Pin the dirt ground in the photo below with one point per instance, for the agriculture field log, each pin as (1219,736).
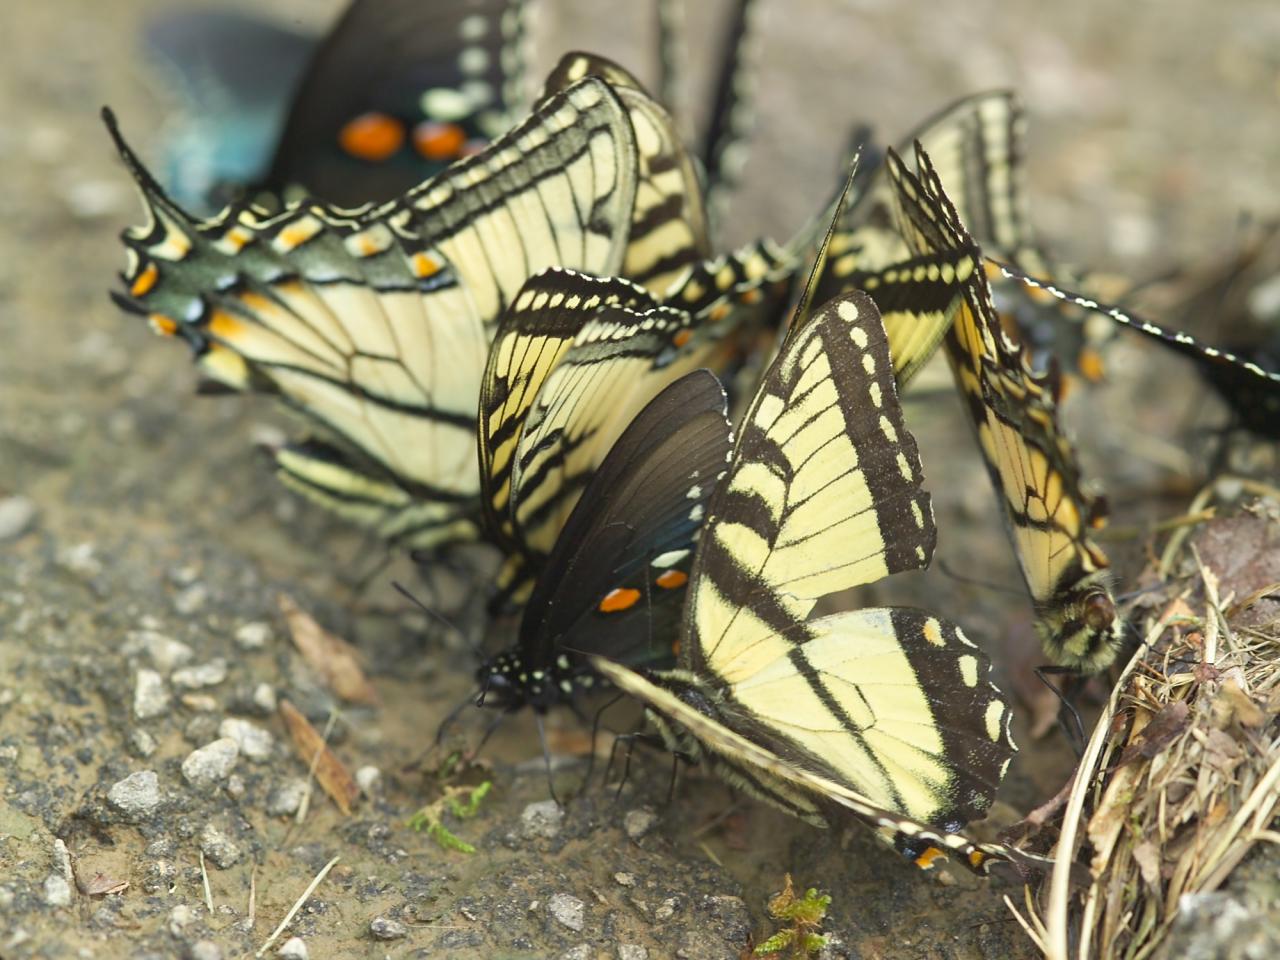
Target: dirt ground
(160,542)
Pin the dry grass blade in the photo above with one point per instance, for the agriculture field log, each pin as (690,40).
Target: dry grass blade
(329,770)
(1181,777)
(336,661)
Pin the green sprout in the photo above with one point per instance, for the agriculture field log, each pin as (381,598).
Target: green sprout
(463,802)
(801,939)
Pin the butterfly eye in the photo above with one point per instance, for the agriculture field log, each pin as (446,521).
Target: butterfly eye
(439,141)
(1099,611)
(372,136)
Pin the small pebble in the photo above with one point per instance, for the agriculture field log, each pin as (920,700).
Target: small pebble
(204,675)
(384,928)
(211,764)
(137,795)
(581,952)
(264,697)
(57,892)
(666,909)
(369,780)
(143,743)
(180,917)
(254,742)
(219,847)
(166,653)
(200,702)
(639,822)
(205,950)
(150,695)
(632,951)
(567,910)
(294,949)
(625,879)
(235,786)
(285,799)
(17,514)
(80,560)
(254,636)
(191,599)
(542,819)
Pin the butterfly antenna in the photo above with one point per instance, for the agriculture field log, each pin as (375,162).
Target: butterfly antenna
(439,617)
(946,569)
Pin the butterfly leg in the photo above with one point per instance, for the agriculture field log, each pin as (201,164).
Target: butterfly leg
(595,732)
(546,757)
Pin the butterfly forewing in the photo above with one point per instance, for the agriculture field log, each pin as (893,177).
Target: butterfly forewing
(824,493)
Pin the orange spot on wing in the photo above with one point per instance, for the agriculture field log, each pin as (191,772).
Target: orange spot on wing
(623,598)
(682,337)
(439,141)
(145,281)
(926,860)
(372,136)
(1091,365)
(672,579)
(719,312)
(165,326)
(752,296)
(977,858)
(224,326)
(425,265)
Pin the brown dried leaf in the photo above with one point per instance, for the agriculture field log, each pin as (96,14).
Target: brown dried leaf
(1163,729)
(1147,855)
(100,885)
(330,771)
(336,661)
(1233,704)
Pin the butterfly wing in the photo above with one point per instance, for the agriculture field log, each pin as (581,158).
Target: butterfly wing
(614,581)
(824,494)
(376,326)
(669,230)
(398,90)
(1049,512)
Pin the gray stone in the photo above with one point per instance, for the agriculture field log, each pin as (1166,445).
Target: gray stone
(17,514)
(255,743)
(165,653)
(219,847)
(639,822)
(137,795)
(181,917)
(254,636)
(211,764)
(632,951)
(542,819)
(369,780)
(294,949)
(205,950)
(384,928)
(264,697)
(581,952)
(625,879)
(150,695)
(567,910)
(57,892)
(191,599)
(285,799)
(143,743)
(204,675)
(235,786)
(666,909)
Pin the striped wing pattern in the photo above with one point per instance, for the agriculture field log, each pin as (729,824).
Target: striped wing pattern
(1032,464)
(824,494)
(375,324)
(745,762)
(669,229)
(884,713)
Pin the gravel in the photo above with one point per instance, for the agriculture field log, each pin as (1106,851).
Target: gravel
(255,743)
(384,928)
(211,764)
(285,799)
(294,949)
(17,514)
(205,675)
(632,951)
(150,695)
(137,795)
(254,636)
(543,819)
(639,822)
(57,892)
(567,910)
(219,847)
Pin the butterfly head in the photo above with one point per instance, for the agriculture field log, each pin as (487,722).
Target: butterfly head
(508,683)
(1082,630)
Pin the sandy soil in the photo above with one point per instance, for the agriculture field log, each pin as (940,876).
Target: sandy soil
(159,535)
